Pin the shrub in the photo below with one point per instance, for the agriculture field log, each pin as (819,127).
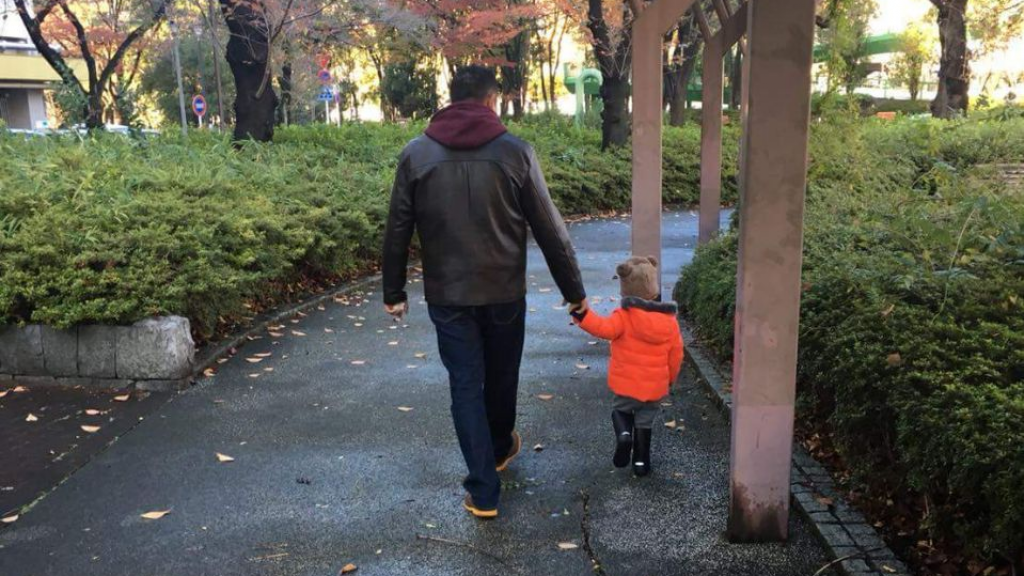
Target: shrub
(912,327)
(110,230)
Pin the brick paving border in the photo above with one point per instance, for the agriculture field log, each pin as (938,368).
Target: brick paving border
(854,545)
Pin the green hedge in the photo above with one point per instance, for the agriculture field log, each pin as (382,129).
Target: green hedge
(111,229)
(912,328)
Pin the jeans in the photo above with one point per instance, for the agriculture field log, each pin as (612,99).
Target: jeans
(482,346)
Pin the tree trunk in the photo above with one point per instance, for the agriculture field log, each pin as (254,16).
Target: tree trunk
(688,48)
(736,79)
(615,127)
(615,64)
(513,78)
(248,55)
(285,82)
(954,68)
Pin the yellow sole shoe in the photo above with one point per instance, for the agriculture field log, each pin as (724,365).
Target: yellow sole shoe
(517,445)
(485,513)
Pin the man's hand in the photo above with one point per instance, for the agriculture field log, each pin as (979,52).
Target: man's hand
(397,311)
(581,306)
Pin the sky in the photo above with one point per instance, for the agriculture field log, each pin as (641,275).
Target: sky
(894,15)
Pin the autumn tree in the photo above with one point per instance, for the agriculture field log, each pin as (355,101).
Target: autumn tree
(992,22)
(60,32)
(611,34)
(916,51)
(546,49)
(843,36)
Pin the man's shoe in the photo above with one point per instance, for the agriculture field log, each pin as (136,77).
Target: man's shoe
(517,444)
(623,424)
(486,513)
(642,451)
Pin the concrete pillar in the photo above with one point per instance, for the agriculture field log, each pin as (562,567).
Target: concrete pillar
(711,141)
(649,28)
(780,34)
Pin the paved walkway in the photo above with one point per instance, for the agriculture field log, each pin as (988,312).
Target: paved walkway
(329,470)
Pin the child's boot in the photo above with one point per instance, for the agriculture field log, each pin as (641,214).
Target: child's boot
(623,424)
(642,451)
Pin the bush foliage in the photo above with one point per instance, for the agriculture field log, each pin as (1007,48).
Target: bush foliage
(111,230)
(912,328)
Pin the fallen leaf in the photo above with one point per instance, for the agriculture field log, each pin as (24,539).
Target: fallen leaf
(276,334)
(254,360)
(411,366)
(358,324)
(264,355)
(254,375)
(348,568)
(31,418)
(224,458)
(889,569)
(824,500)
(156,514)
(538,447)
(92,412)
(122,398)
(544,290)
(90,429)
(894,359)
(431,526)
(19,389)
(671,424)
(358,362)
(545,396)
(393,343)
(209,372)
(3,393)
(297,333)
(420,354)
(328,330)
(567,546)
(405,409)
(9,519)
(592,343)
(582,367)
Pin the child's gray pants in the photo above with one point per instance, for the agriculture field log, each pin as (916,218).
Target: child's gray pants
(643,413)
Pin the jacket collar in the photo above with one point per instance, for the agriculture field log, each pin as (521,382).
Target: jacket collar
(649,305)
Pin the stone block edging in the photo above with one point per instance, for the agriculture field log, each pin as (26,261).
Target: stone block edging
(854,545)
(152,354)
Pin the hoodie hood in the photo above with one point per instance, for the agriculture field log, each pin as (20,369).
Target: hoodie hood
(465,125)
(653,322)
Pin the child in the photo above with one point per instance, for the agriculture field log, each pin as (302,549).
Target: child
(647,353)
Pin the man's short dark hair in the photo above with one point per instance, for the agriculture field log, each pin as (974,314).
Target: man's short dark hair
(473,83)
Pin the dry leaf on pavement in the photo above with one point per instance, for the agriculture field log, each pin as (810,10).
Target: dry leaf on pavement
(358,362)
(122,398)
(156,514)
(348,568)
(90,429)
(567,546)
(405,408)
(254,360)
(420,355)
(670,424)
(545,396)
(3,393)
(538,447)
(92,412)
(31,418)
(224,458)
(19,389)
(9,519)
(297,333)
(582,367)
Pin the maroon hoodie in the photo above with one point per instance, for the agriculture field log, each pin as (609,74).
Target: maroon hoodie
(465,125)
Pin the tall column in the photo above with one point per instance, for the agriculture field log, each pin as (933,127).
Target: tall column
(649,29)
(773,178)
(711,141)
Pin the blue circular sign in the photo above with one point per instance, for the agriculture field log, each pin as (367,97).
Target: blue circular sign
(199,105)
(324,75)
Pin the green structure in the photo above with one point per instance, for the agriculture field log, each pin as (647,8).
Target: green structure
(586,85)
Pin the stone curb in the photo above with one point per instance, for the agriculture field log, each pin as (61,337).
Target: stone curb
(854,545)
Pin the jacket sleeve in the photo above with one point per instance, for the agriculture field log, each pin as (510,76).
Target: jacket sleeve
(607,328)
(675,358)
(550,232)
(398,234)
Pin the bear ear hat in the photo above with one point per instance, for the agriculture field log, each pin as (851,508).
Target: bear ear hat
(653,261)
(623,270)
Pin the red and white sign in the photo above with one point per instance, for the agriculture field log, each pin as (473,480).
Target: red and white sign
(199,105)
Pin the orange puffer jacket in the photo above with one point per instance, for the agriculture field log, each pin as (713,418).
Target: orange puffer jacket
(647,347)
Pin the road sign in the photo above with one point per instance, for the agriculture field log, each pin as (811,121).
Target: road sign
(199,105)
(323,60)
(326,95)
(324,75)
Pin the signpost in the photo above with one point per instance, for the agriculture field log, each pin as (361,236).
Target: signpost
(325,96)
(199,107)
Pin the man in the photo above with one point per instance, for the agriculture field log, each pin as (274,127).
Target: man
(471,189)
